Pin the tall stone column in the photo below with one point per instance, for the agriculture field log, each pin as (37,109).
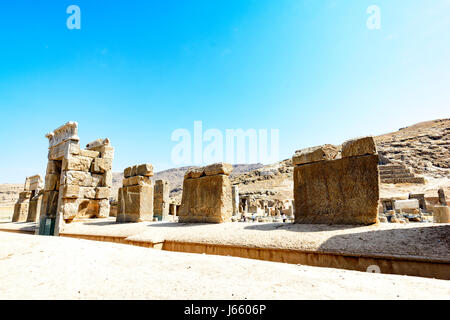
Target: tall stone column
(235,199)
(161,200)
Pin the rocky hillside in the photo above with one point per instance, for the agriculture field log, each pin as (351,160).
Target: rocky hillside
(9,193)
(424,147)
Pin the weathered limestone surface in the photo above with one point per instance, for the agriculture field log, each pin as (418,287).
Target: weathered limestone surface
(406,204)
(441,195)
(421,198)
(78,182)
(235,199)
(314,154)
(135,199)
(27,208)
(340,191)
(161,200)
(359,147)
(207,198)
(441,214)
(34,207)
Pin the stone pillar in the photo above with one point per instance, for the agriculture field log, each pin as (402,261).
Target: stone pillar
(441,214)
(113,206)
(441,195)
(328,190)
(135,200)
(27,207)
(173,209)
(21,207)
(207,195)
(235,199)
(161,200)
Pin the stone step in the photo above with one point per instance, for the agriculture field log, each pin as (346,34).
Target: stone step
(391,167)
(399,171)
(416,180)
(397,176)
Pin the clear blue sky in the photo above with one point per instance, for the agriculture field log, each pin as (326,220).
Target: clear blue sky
(138,70)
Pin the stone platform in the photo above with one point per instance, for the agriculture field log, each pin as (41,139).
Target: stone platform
(411,249)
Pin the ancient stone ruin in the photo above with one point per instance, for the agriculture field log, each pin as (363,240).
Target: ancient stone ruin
(28,206)
(207,195)
(235,199)
(135,199)
(161,200)
(77,182)
(398,173)
(333,190)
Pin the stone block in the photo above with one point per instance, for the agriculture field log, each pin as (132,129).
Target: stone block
(145,170)
(359,147)
(77,164)
(102,192)
(20,212)
(70,191)
(194,173)
(107,152)
(135,204)
(53,167)
(34,209)
(218,168)
(101,165)
(107,179)
(104,208)
(406,204)
(315,154)
(97,144)
(441,214)
(89,153)
(24,195)
(206,199)
(128,172)
(342,191)
(51,182)
(88,192)
(136,181)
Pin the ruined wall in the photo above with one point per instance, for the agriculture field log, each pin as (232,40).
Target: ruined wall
(332,190)
(207,195)
(135,199)
(27,208)
(78,182)
(161,200)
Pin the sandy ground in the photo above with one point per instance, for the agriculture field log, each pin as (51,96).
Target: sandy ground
(37,267)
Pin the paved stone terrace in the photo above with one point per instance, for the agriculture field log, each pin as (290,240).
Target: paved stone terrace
(415,241)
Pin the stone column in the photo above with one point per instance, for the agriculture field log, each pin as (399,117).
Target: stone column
(235,198)
(441,195)
(161,200)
